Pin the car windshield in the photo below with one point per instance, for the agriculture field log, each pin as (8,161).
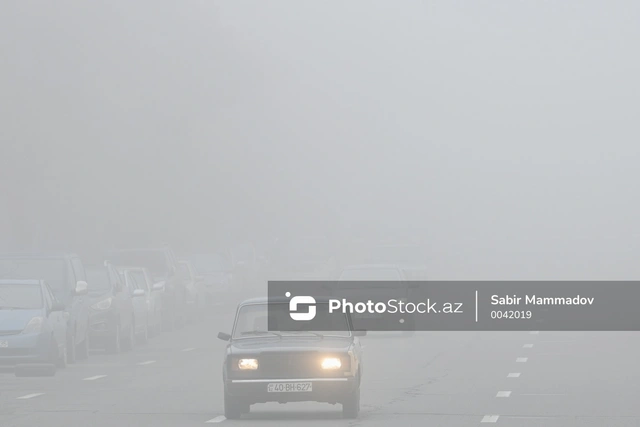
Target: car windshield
(253,320)
(211,263)
(370,274)
(53,271)
(397,254)
(154,260)
(98,281)
(20,296)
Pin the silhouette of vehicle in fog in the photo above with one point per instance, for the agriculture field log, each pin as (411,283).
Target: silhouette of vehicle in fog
(111,318)
(194,289)
(217,271)
(163,265)
(409,257)
(303,258)
(148,303)
(382,282)
(65,275)
(33,326)
(279,366)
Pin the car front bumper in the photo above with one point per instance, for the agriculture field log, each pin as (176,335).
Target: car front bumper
(29,348)
(329,390)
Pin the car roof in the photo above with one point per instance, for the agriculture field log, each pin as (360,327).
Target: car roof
(21,281)
(265,300)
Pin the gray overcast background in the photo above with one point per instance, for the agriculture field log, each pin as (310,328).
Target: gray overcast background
(503,134)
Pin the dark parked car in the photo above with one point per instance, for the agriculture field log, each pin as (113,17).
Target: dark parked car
(66,276)
(163,266)
(111,311)
(278,366)
(33,327)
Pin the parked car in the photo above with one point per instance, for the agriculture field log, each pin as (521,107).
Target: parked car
(163,266)
(262,365)
(139,278)
(194,288)
(33,326)
(216,269)
(111,311)
(65,275)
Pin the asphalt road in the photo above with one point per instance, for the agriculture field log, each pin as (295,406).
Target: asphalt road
(444,379)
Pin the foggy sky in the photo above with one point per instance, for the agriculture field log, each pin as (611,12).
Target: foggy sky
(504,134)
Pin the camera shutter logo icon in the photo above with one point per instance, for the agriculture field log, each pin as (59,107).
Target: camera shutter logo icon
(302,300)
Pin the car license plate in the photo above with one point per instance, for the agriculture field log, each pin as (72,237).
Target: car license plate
(4,344)
(289,387)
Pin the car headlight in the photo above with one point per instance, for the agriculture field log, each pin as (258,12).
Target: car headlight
(34,326)
(331,363)
(248,364)
(102,305)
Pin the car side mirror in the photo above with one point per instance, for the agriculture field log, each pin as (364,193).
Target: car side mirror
(359,333)
(224,336)
(57,306)
(158,287)
(138,293)
(81,288)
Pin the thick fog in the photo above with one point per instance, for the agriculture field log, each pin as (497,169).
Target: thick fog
(502,135)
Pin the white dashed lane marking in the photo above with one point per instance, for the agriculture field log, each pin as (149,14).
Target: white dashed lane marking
(148,362)
(95,377)
(490,419)
(527,346)
(534,333)
(30,396)
(503,394)
(522,359)
(514,375)
(188,349)
(218,419)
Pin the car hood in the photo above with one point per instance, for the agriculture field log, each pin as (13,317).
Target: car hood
(292,344)
(16,320)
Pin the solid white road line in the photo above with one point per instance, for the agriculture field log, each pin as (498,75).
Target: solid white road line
(30,396)
(188,349)
(490,419)
(527,346)
(503,394)
(148,362)
(96,377)
(514,375)
(218,419)
(522,359)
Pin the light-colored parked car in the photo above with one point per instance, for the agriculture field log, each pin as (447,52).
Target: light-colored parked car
(141,278)
(194,287)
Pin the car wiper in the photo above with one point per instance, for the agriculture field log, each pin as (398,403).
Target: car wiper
(6,307)
(306,332)
(258,332)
